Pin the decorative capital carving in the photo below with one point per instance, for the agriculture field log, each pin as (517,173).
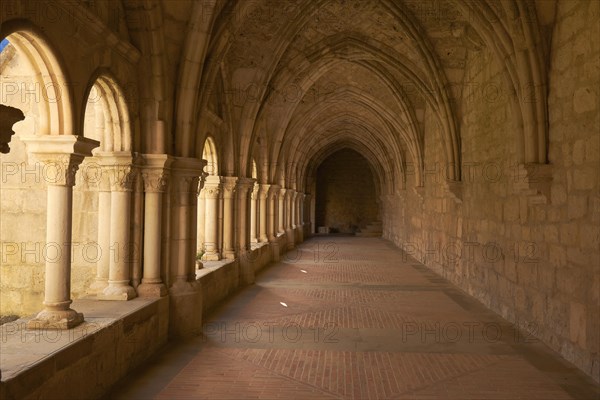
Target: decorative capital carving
(211,191)
(264,189)
(59,169)
(60,155)
(274,191)
(244,185)
(155,180)
(229,186)
(121,177)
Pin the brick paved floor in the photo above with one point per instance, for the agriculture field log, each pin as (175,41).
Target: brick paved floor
(352,318)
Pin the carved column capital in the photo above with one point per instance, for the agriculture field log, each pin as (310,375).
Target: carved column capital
(155,172)
(155,181)
(274,191)
(245,185)
(263,191)
(187,174)
(229,186)
(60,155)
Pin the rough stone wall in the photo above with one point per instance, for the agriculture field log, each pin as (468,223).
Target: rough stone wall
(535,264)
(346,197)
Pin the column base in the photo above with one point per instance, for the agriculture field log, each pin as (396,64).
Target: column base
(118,293)
(55,319)
(210,256)
(153,290)
(98,286)
(229,255)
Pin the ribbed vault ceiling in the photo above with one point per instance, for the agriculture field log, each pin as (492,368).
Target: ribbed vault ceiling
(304,78)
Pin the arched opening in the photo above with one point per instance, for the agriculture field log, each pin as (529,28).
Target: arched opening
(346,199)
(106,116)
(254,206)
(104,205)
(209,153)
(208,243)
(31,81)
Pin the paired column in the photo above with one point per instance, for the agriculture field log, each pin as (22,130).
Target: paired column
(272,220)
(282,211)
(211,191)
(263,195)
(229,191)
(301,206)
(254,213)
(244,187)
(155,176)
(186,174)
(201,222)
(120,175)
(61,157)
(294,209)
(103,264)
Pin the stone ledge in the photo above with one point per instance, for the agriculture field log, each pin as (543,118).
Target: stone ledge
(87,360)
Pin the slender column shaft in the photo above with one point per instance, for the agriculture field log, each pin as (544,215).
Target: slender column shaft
(263,212)
(212,188)
(254,214)
(63,155)
(229,189)
(103,264)
(119,172)
(201,222)
(282,211)
(152,232)
(272,224)
(58,235)
(294,209)
(243,235)
(155,178)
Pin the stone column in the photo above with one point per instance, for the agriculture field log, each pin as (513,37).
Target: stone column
(246,263)
(272,220)
(254,213)
(229,189)
(185,176)
(61,157)
(244,185)
(212,189)
(294,210)
(290,233)
(185,296)
(120,174)
(201,221)
(103,264)
(137,222)
(263,195)
(155,176)
(301,203)
(283,214)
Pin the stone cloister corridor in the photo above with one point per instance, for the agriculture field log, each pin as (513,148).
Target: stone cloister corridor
(163,162)
(344,317)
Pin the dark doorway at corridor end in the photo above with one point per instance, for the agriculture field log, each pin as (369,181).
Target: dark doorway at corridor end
(345,194)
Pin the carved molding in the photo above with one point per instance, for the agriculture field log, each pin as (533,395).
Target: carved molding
(60,155)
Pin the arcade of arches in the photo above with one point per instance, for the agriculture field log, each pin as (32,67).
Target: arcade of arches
(158,154)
